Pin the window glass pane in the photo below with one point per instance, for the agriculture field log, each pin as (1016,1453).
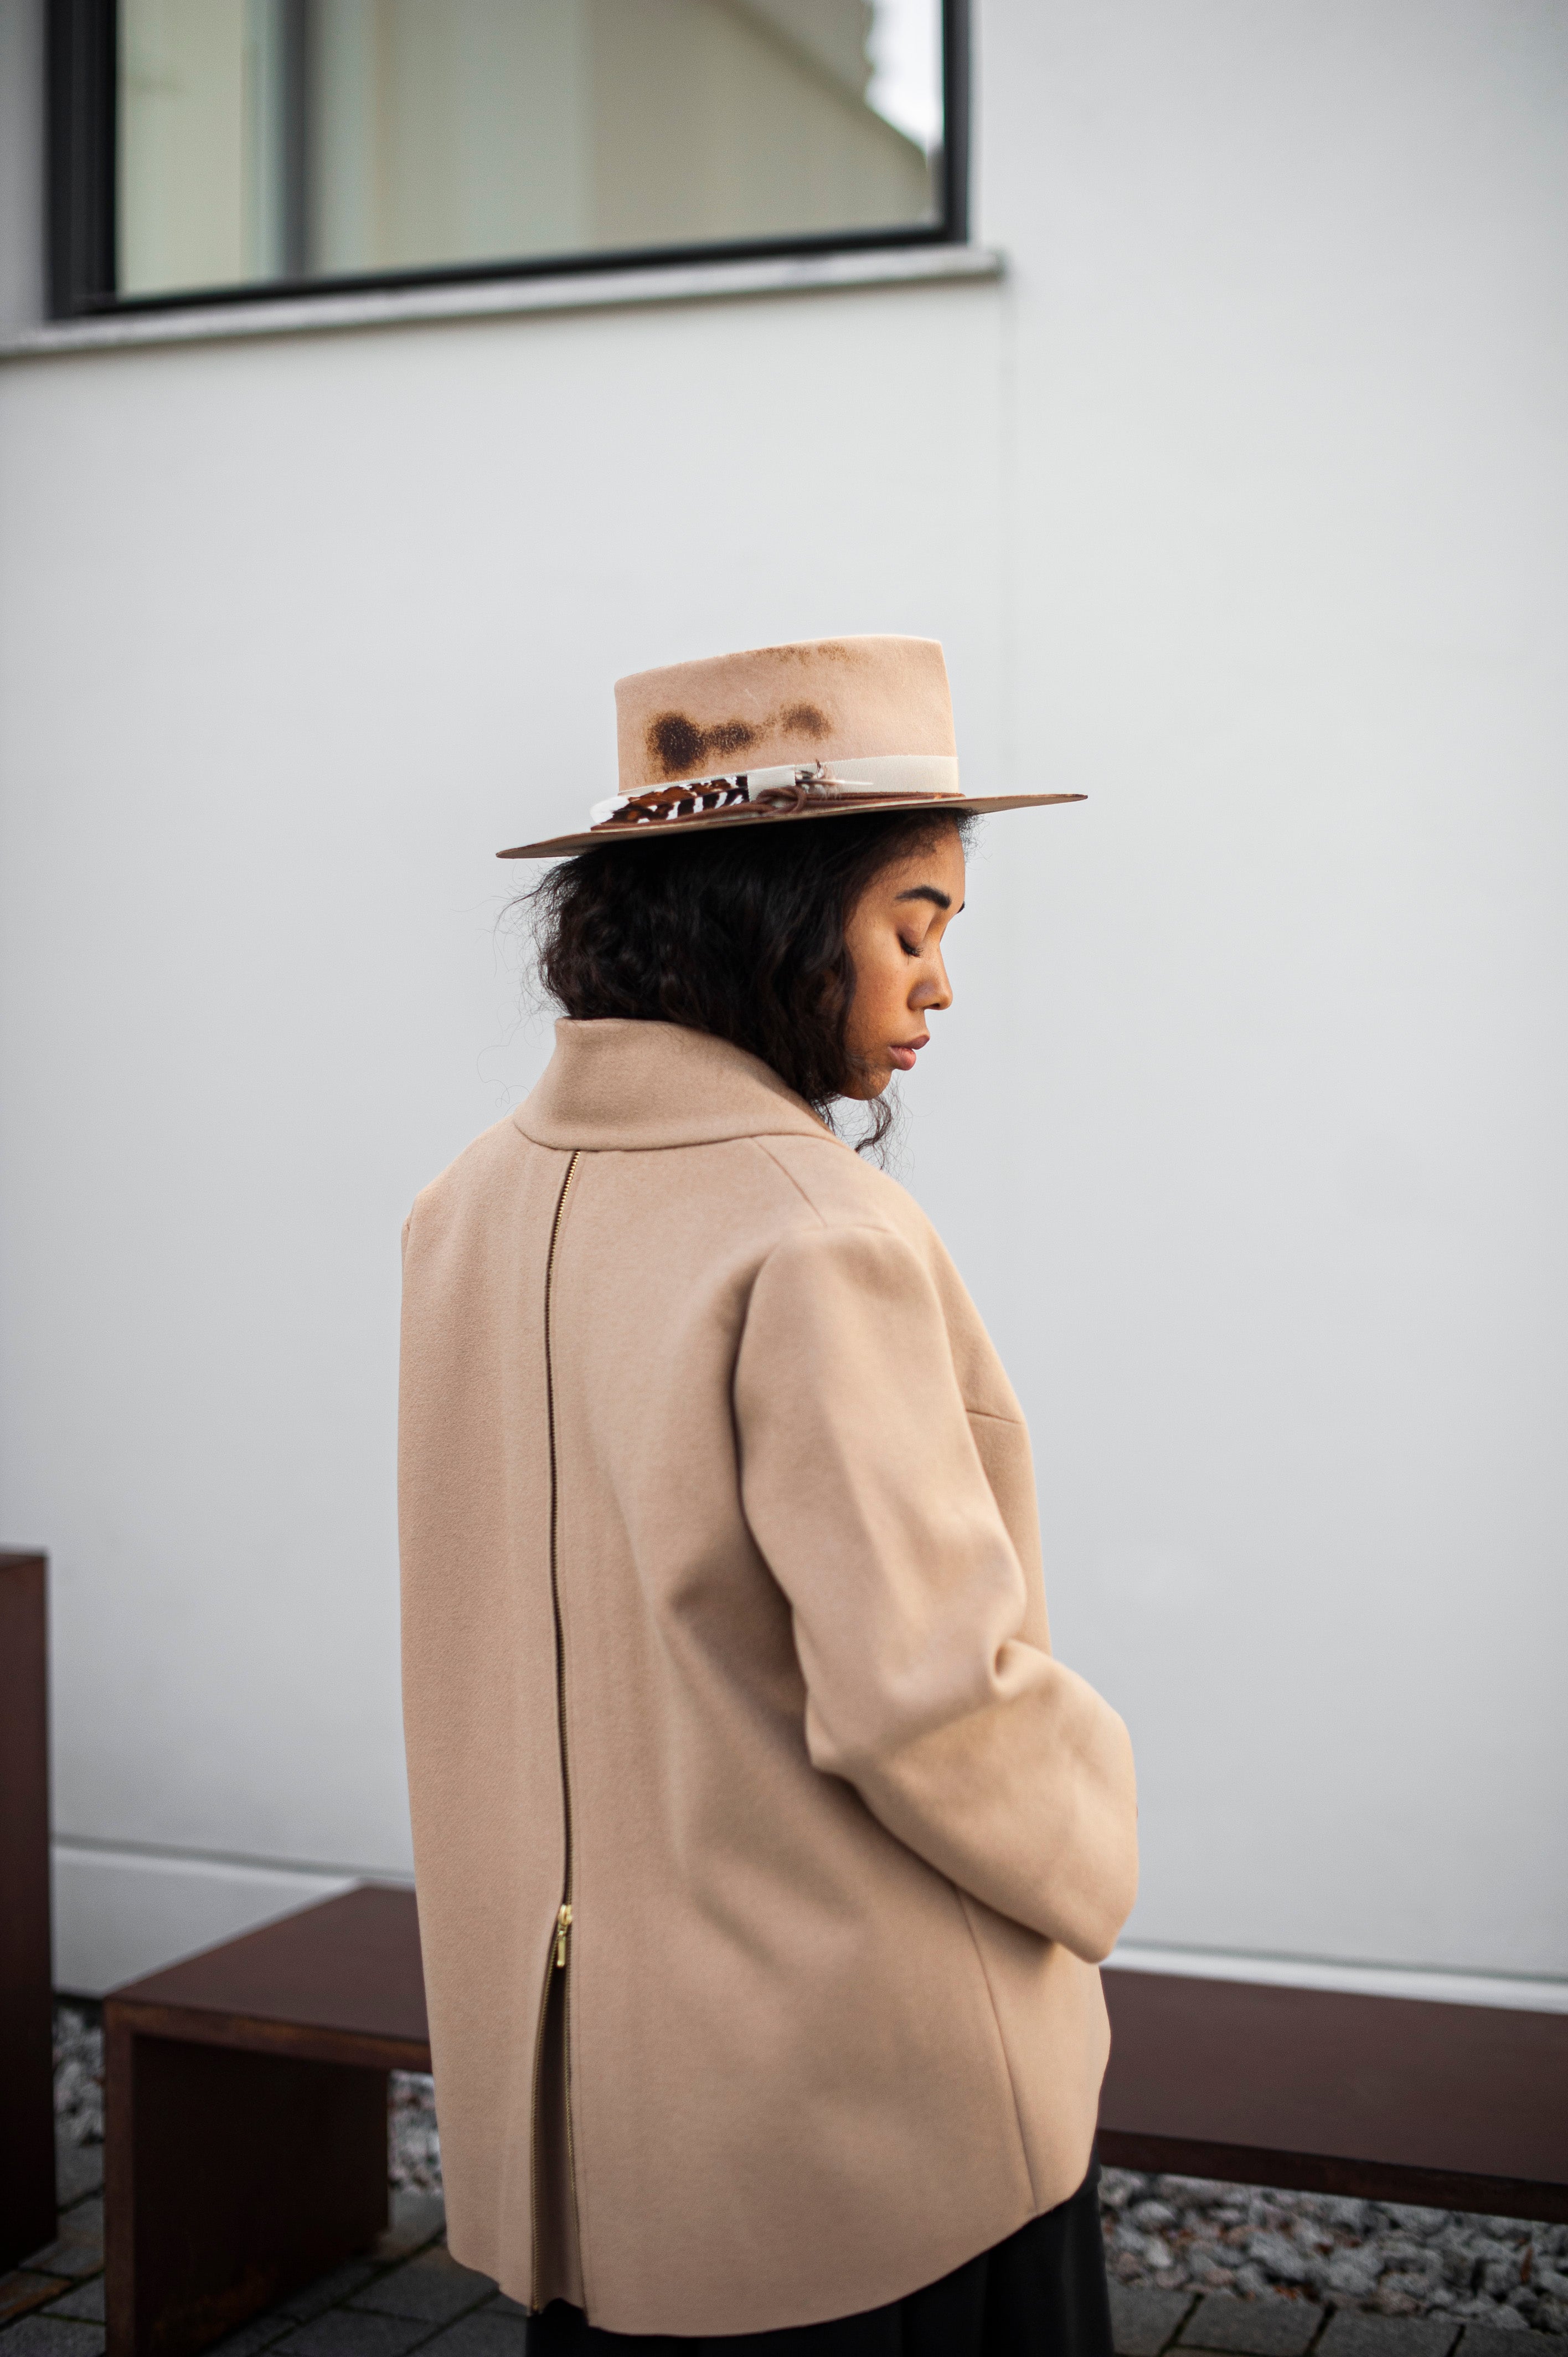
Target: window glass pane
(263,139)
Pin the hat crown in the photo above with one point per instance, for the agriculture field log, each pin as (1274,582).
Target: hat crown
(819,701)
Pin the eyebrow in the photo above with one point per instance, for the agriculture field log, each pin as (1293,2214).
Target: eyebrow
(926,892)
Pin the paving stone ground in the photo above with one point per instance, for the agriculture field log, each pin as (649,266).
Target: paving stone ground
(1298,2275)
(408,2295)
(1148,2322)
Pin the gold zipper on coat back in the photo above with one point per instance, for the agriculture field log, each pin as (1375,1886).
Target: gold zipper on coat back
(563,1912)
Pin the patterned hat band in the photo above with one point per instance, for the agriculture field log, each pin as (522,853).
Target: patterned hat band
(884,777)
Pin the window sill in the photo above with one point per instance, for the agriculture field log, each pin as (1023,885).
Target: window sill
(701,282)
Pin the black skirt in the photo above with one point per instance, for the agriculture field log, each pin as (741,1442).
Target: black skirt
(1041,2293)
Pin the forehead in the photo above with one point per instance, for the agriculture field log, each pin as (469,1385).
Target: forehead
(937,863)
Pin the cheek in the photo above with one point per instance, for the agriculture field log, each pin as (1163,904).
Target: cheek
(885,982)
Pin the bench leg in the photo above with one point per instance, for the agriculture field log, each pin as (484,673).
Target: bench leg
(231,2179)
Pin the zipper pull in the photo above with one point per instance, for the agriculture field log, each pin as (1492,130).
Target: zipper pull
(563,1925)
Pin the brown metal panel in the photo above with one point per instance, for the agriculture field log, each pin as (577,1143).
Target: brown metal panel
(349,1963)
(245,2115)
(119,2183)
(1239,2164)
(1462,2106)
(231,2179)
(26,2031)
(197,2027)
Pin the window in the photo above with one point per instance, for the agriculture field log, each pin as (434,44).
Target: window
(206,148)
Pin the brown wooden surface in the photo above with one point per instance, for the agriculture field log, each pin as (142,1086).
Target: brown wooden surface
(231,2179)
(27,2032)
(246,2115)
(254,2036)
(1461,2107)
(340,1980)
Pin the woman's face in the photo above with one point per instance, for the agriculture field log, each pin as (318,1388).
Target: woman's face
(895,940)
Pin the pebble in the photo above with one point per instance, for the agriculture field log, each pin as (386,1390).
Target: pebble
(1285,2261)
(1353,2274)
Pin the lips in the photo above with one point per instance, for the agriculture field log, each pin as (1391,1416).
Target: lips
(904,1057)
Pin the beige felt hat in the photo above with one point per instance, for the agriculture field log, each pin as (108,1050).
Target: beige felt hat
(823,729)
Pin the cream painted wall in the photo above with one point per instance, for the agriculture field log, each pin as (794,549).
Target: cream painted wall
(1239,503)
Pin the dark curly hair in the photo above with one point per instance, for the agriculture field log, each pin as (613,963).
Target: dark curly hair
(740,933)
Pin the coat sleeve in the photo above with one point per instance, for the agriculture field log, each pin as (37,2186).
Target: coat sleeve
(864,1490)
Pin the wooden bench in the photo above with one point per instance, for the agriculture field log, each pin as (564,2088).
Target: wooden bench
(245,2117)
(26,2029)
(246,2107)
(1454,2106)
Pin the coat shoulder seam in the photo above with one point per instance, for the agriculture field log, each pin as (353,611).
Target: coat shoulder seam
(786,1173)
(863,1218)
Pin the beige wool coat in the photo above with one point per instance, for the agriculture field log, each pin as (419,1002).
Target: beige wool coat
(765,1853)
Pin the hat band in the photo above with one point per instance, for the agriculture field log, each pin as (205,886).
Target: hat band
(880,778)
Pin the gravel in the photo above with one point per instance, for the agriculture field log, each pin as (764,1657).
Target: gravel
(1376,2258)
(79,2077)
(413,2143)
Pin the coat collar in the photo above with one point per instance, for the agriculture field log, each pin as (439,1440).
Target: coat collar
(615,1085)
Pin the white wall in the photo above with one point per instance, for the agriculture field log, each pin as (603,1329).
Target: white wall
(1239,503)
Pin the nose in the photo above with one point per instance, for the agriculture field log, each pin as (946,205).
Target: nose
(935,990)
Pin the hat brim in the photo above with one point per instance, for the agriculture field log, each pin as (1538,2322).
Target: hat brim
(666,830)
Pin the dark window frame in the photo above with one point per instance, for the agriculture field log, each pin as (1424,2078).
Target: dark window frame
(82,117)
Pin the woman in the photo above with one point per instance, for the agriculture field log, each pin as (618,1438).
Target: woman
(765,1854)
